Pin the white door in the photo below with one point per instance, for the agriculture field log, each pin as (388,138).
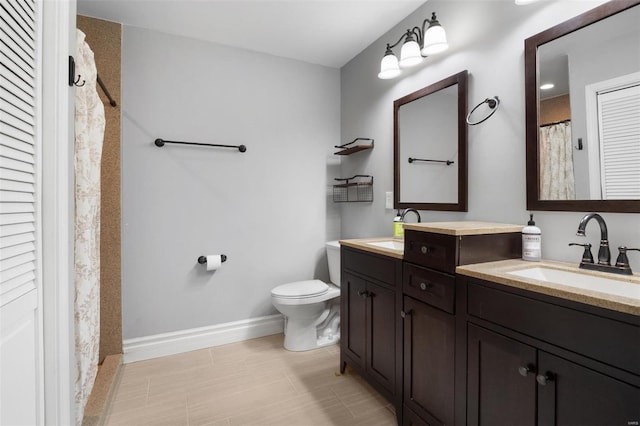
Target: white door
(613,135)
(619,135)
(21,335)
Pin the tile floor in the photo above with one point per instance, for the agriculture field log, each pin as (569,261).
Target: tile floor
(255,382)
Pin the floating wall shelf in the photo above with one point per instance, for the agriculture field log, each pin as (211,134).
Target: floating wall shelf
(348,150)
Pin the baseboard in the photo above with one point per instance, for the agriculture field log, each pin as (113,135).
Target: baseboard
(164,344)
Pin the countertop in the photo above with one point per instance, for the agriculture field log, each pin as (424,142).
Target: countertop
(361,243)
(463,227)
(498,272)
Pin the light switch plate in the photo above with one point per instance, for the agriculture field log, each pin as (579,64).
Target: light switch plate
(388,203)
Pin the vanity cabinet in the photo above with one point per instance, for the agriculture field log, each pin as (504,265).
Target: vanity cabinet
(369,326)
(429,343)
(500,380)
(435,335)
(535,359)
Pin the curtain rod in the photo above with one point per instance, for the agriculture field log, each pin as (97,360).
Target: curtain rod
(568,120)
(112,102)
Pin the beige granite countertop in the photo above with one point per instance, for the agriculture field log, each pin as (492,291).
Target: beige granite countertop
(498,272)
(463,227)
(361,243)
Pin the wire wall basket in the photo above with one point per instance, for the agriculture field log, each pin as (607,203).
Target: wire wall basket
(358,188)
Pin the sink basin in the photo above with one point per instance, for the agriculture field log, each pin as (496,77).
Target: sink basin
(580,280)
(389,244)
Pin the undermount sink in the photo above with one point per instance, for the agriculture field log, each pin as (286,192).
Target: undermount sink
(581,280)
(388,244)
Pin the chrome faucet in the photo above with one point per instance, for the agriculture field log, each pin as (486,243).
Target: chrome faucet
(604,255)
(405,211)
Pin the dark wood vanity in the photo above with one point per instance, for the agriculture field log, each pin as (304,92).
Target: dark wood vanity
(534,359)
(370,301)
(450,348)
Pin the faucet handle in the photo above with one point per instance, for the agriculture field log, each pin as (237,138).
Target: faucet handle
(587,257)
(623,260)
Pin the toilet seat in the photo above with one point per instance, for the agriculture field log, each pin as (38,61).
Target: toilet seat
(300,289)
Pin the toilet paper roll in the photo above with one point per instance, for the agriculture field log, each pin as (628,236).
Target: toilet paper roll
(214,261)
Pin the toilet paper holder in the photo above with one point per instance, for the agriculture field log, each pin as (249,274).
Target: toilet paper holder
(203,259)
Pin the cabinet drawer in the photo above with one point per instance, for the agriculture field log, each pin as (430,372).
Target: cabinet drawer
(429,286)
(605,339)
(437,251)
(377,267)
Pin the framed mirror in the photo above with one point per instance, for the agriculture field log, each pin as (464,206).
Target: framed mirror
(430,147)
(583,134)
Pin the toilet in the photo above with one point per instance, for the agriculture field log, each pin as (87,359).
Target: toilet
(311,308)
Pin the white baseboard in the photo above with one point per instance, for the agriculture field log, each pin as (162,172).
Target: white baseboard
(164,344)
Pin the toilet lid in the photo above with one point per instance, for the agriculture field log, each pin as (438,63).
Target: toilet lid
(301,289)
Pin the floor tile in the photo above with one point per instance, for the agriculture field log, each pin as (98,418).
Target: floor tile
(255,382)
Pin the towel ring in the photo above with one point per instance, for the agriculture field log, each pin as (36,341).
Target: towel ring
(493,104)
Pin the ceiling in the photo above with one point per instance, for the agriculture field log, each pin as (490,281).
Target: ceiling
(324,32)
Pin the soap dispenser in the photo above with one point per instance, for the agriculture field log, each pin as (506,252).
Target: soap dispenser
(398,226)
(531,241)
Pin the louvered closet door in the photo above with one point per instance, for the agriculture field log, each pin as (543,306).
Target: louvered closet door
(19,336)
(619,126)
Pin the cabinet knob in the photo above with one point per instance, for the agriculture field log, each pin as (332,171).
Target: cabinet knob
(404,314)
(425,285)
(363,294)
(425,249)
(524,370)
(544,379)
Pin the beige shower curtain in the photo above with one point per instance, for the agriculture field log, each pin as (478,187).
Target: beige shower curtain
(556,162)
(89,132)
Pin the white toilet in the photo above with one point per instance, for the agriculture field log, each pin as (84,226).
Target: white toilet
(311,308)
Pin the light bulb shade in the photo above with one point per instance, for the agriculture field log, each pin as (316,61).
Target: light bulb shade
(435,40)
(410,54)
(389,67)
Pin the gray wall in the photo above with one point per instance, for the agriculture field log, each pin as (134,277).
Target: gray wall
(487,39)
(266,209)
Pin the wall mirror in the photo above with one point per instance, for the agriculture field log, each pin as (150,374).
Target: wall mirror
(430,146)
(583,134)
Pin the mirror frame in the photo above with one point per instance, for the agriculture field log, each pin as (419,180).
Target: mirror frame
(531,45)
(461,79)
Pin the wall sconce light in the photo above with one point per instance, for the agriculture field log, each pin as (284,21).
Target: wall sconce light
(418,44)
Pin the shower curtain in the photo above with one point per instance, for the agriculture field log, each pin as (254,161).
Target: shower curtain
(89,132)
(556,162)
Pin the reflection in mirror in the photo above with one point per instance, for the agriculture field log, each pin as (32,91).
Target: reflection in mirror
(430,147)
(583,112)
(424,124)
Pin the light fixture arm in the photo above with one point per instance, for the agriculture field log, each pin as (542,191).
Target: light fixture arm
(402,38)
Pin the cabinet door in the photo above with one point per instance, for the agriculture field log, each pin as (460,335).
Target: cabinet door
(501,380)
(353,317)
(381,361)
(571,394)
(429,336)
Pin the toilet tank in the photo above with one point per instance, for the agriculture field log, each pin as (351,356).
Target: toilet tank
(333,257)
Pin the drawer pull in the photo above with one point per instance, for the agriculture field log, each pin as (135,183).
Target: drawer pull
(543,380)
(363,294)
(424,286)
(404,314)
(426,250)
(524,370)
